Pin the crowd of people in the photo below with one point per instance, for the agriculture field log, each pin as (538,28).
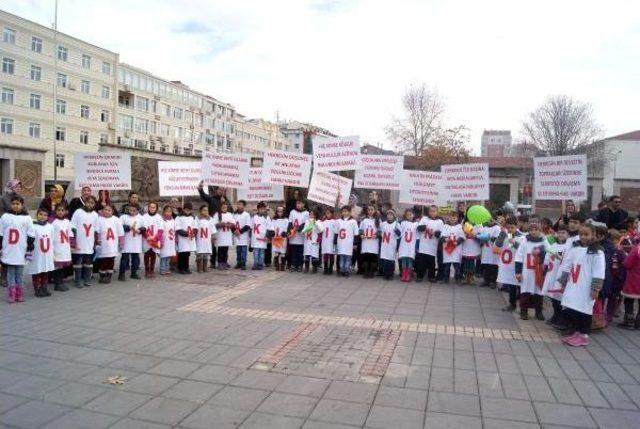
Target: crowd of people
(585,268)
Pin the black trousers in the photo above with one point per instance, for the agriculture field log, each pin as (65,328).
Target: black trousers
(267,255)
(490,274)
(425,264)
(214,256)
(629,304)
(578,322)
(514,294)
(369,263)
(440,274)
(223,254)
(183,261)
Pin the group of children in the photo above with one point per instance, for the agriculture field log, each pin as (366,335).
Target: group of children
(576,265)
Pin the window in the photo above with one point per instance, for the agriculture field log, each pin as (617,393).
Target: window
(59,160)
(36,44)
(152,127)
(86,61)
(84,112)
(85,86)
(177,113)
(152,106)
(142,104)
(8,65)
(141,125)
(6,126)
(104,138)
(62,53)
(34,130)
(61,107)
(34,101)
(84,137)
(36,73)
(62,80)
(104,116)
(7,95)
(9,36)
(167,110)
(106,68)
(60,134)
(106,92)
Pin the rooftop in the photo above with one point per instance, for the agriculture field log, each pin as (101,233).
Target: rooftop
(630,136)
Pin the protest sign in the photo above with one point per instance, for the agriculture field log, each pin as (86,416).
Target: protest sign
(421,188)
(102,170)
(225,169)
(325,187)
(178,179)
(379,172)
(560,177)
(258,191)
(465,182)
(336,154)
(286,168)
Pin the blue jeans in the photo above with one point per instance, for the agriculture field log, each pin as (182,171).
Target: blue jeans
(344,263)
(258,258)
(241,255)
(135,262)
(388,267)
(446,271)
(164,264)
(297,255)
(14,275)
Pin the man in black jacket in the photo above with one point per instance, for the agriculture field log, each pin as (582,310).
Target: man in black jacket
(613,215)
(213,200)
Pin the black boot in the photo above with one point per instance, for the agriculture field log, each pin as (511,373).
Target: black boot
(77,277)
(121,276)
(87,272)
(306,266)
(36,292)
(637,323)
(107,277)
(135,275)
(44,290)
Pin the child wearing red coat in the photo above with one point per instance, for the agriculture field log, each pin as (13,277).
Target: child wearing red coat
(631,289)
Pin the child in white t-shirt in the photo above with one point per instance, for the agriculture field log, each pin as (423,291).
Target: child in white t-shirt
(452,238)
(470,251)
(134,230)
(18,235)
(429,231)
(278,232)
(388,245)
(186,231)
(225,225)
(152,243)
(406,233)
(62,236)
(260,226)
(346,230)
(327,244)
(110,239)
(204,240)
(83,222)
(370,242)
(168,249)
(530,270)
(297,219)
(41,263)
(312,235)
(241,234)
(507,243)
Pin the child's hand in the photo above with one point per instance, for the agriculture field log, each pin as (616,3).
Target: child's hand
(594,294)
(519,278)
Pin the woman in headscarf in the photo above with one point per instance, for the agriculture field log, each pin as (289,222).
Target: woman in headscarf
(11,189)
(78,202)
(104,199)
(53,200)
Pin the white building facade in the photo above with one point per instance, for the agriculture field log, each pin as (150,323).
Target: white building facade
(622,156)
(58,97)
(495,143)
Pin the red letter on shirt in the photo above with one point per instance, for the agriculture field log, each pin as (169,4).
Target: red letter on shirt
(256,229)
(342,233)
(64,236)
(14,236)
(575,272)
(45,244)
(110,235)
(87,229)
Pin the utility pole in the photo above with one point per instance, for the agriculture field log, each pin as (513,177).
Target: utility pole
(54,82)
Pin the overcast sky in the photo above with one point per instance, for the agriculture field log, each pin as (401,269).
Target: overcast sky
(343,64)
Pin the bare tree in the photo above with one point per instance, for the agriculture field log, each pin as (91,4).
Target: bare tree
(562,126)
(421,122)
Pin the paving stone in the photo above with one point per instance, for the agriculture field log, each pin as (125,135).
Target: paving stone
(223,417)
(399,418)
(506,364)
(135,362)
(443,358)
(258,380)
(354,392)
(165,410)
(74,394)
(564,392)
(615,419)
(149,383)
(128,423)
(215,374)
(514,386)
(312,424)
(508,409)
(269,421)
(240,398)
(117,402)
(350,413)
(401,398)
(590,394)
(288,404)
(451,421)
(442,379)
(616,396)
(303,386)
(508,424)
(465,381)
(32,414)
(10,401)
(33,386)
(539,389)
(417,377)
(174,368)
(82,419)
(453,403)
(561,414)
(191,390)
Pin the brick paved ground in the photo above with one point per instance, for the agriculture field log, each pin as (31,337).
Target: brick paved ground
(273,350)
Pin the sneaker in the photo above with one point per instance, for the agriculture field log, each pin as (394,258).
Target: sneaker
(567,338)
(583,340)
(509,308)
(577,340)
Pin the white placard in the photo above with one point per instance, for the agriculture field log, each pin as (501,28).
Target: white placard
(421,188)
(325,187)
(560,177)
(286,168)
(336,154)
(225,169)
(465,182)
(379,172)
(178,178)
(102,170)
(258,191)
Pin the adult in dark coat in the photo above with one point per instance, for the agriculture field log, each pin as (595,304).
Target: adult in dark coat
(78,202)
(613,215)
(53,200)
(569,210)
(132,200)
(217,197)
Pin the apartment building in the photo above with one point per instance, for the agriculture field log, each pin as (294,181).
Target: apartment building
(58,97)
(301,134)
(254,136)
(496,143)
(167,116)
